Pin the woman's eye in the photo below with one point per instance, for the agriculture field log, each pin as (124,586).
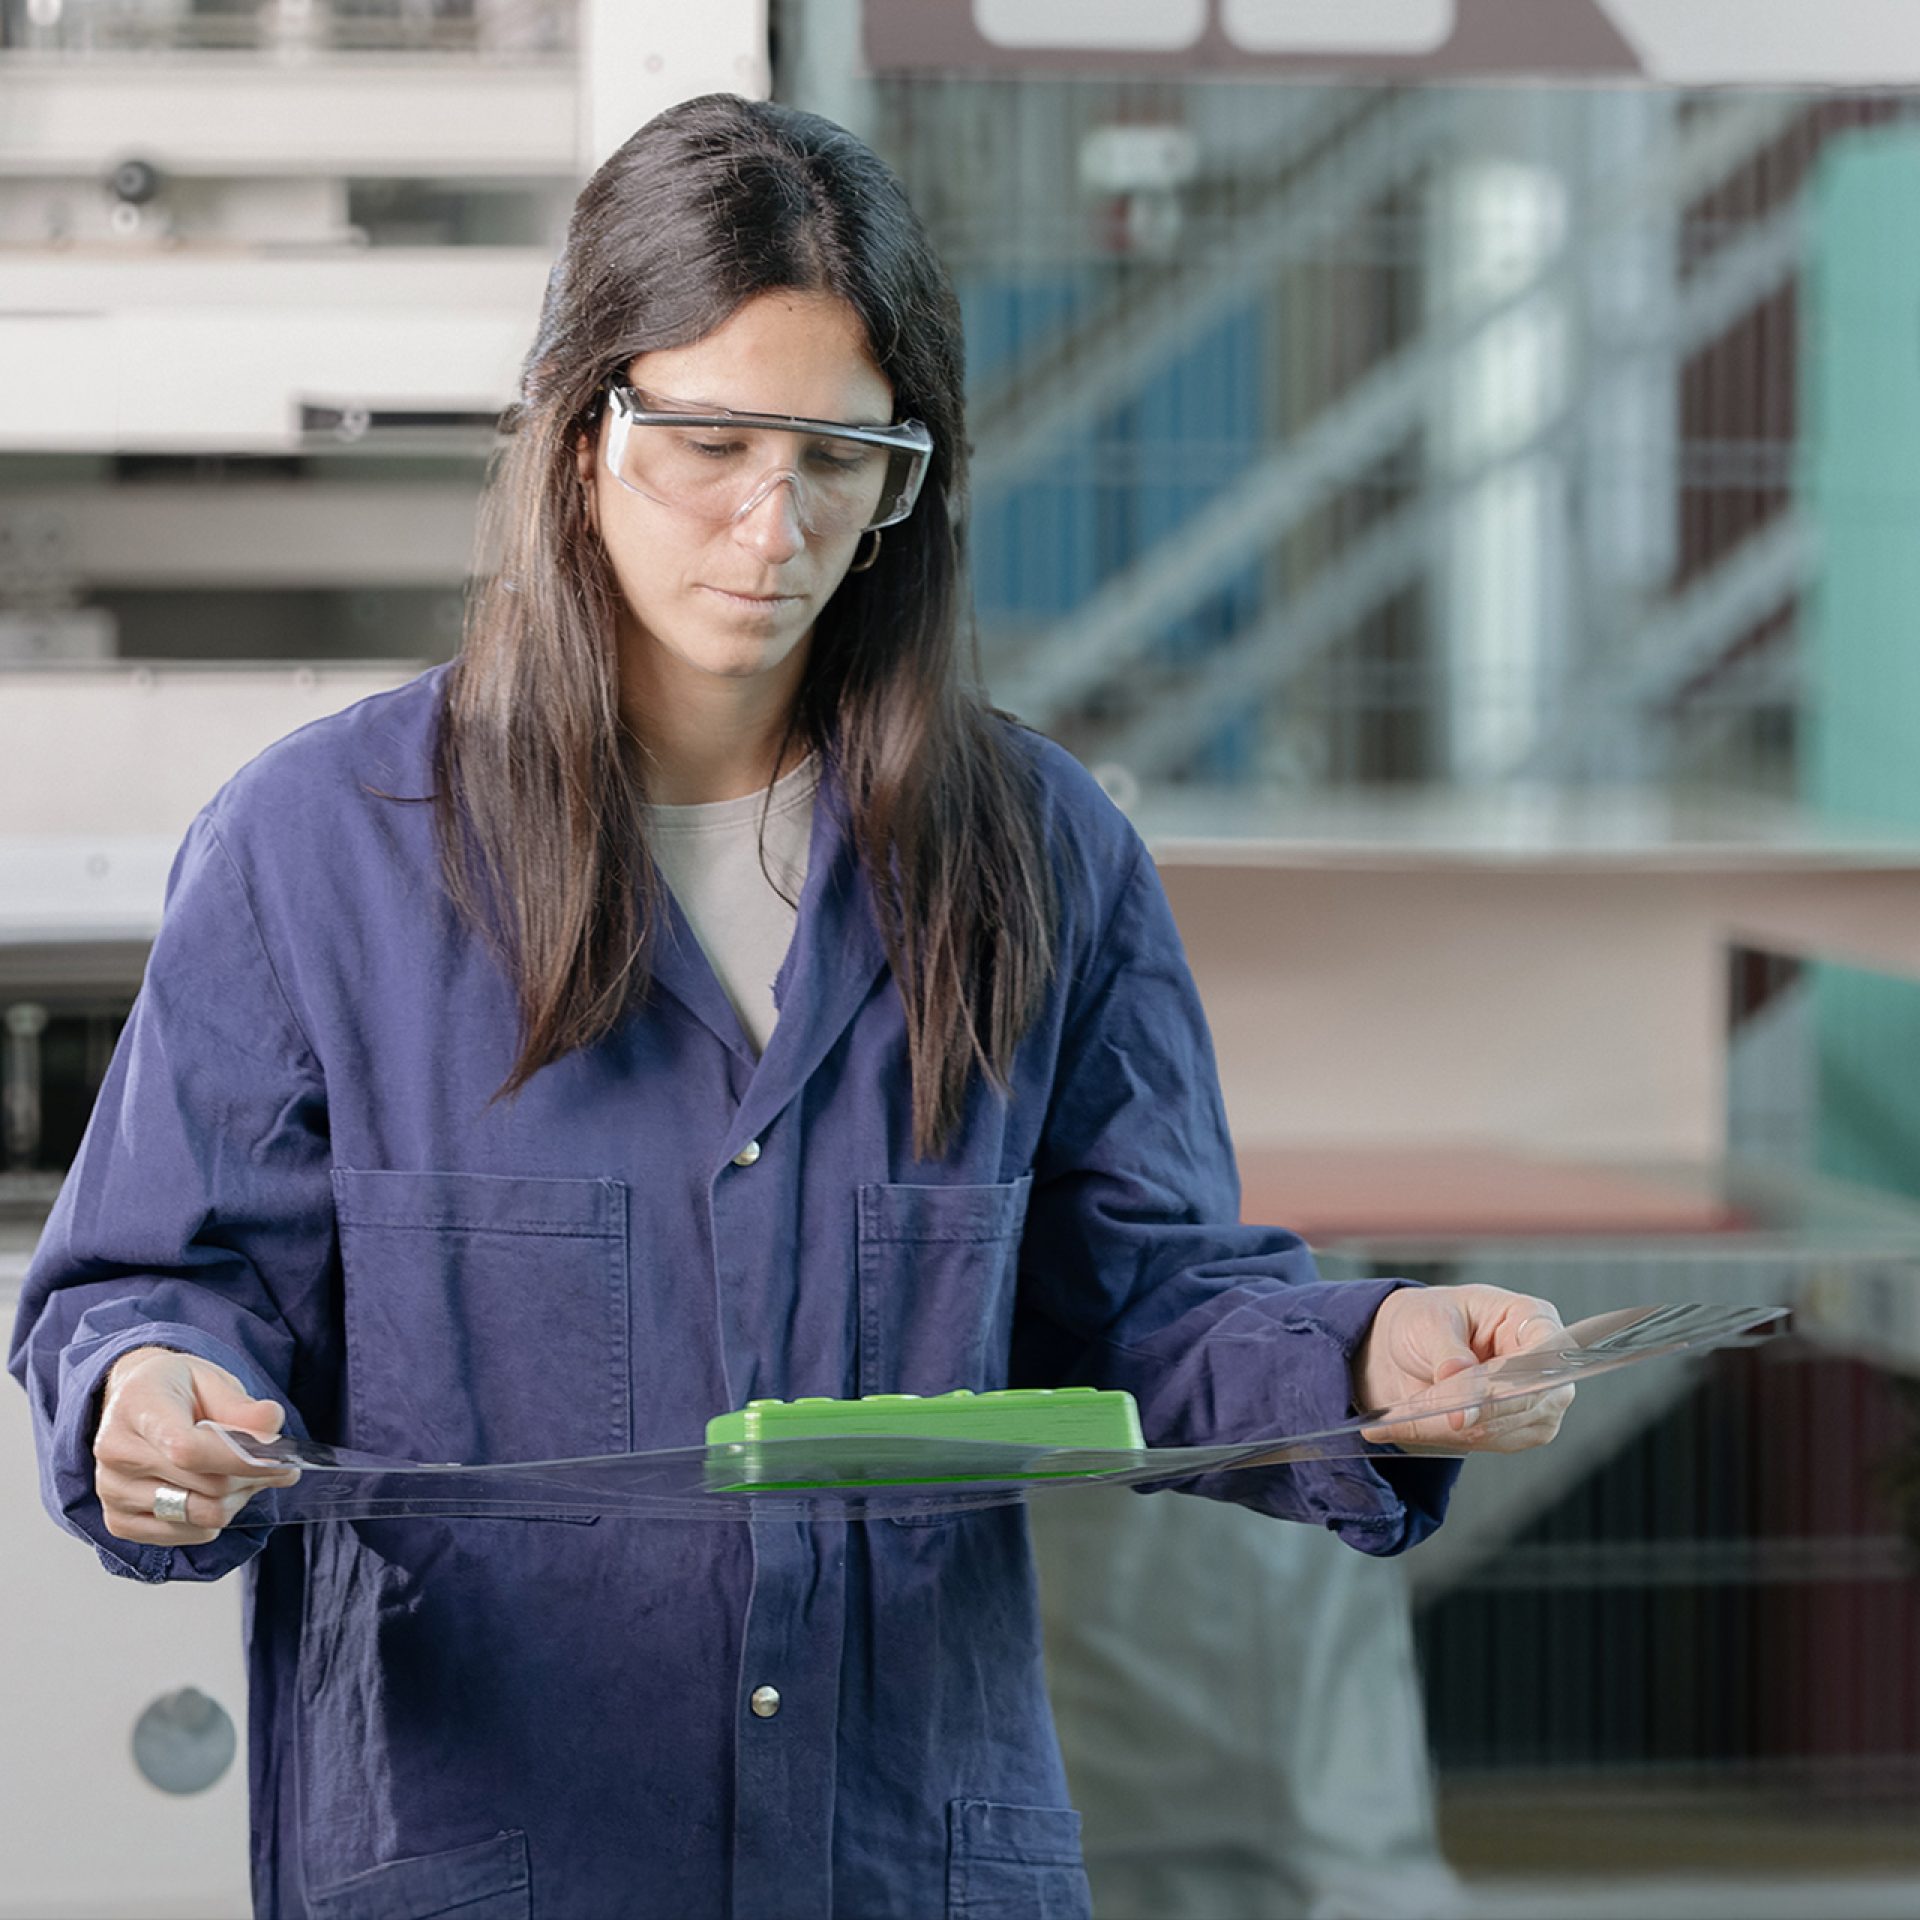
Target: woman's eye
(838,462)
(713,449)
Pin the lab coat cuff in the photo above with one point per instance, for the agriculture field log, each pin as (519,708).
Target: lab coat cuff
(1378,1504)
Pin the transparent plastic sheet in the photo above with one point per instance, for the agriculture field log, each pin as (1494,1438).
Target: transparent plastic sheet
(885,1476)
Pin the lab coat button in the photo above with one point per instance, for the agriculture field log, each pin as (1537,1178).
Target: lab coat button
(765,1701)
(747,1154)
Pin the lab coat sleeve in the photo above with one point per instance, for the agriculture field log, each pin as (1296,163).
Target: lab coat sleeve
(1135,1271)
(197,1213)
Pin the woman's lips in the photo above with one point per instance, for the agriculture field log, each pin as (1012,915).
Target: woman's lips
(762,600)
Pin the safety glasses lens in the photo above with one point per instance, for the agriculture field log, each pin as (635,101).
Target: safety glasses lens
(840,485)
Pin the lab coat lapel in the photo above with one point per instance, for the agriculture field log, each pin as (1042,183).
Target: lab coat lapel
(829,972)
(682,969)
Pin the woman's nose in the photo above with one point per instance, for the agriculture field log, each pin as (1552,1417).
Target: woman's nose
(771,525)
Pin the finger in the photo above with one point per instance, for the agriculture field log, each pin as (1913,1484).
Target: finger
(198,1451)
(1438,1406)
(1494,1426)
(165,1390)
(129,1453)
(1501,1322)
(149,1440)
(1517,1440)
(1530,1423)
(133,1518)
(1434,1438)
(1435,1434)
(1458,1419)
(1526,1321)
(242,1447)
(185,1459)
(133,1488)
(144,1530)
(1551,1409)
(222,1398)
(1544,1402)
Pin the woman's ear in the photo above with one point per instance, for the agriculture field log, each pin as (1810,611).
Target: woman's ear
(584,452)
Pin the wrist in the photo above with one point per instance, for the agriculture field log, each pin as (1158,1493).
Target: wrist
(1368,1393)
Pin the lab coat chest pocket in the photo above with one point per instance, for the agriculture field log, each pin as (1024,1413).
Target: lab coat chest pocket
(487,1315)
(937,1270)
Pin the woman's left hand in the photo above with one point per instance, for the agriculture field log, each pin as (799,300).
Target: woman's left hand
(1424,1335)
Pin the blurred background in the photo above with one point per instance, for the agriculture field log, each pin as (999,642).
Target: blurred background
(1452,468)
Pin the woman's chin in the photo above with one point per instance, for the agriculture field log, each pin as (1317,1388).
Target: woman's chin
(740,655)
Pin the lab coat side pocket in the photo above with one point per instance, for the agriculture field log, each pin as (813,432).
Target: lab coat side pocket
(1014,1863)
(487,1315)
(488,1880)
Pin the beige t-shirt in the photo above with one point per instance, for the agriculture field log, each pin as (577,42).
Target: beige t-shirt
(710,856)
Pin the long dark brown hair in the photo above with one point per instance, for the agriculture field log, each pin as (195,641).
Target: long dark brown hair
(712,202)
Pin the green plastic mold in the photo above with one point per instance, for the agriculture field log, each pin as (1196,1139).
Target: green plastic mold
(741,1456)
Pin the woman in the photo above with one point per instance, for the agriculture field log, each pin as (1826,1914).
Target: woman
(461,1117)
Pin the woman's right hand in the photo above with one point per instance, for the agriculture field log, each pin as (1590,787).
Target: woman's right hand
(148,1439)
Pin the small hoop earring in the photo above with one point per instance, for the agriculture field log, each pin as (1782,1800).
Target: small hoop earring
(862,566)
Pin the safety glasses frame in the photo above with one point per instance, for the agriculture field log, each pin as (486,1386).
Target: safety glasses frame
(909,441)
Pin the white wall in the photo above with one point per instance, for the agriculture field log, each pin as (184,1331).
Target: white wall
(84,1833)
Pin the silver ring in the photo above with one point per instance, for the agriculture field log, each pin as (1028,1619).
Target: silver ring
(169,1503)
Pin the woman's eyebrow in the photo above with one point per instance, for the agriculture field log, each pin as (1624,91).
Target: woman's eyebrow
(719,406)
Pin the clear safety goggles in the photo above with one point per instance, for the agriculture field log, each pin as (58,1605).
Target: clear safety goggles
(719,465)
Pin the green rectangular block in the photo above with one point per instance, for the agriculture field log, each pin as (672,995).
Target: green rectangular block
(1017,1416)
(1081,1418)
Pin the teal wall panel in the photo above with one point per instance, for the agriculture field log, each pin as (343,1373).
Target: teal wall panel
(1861,385)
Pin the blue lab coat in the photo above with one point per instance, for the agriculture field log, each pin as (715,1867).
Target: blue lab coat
(297,1169)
